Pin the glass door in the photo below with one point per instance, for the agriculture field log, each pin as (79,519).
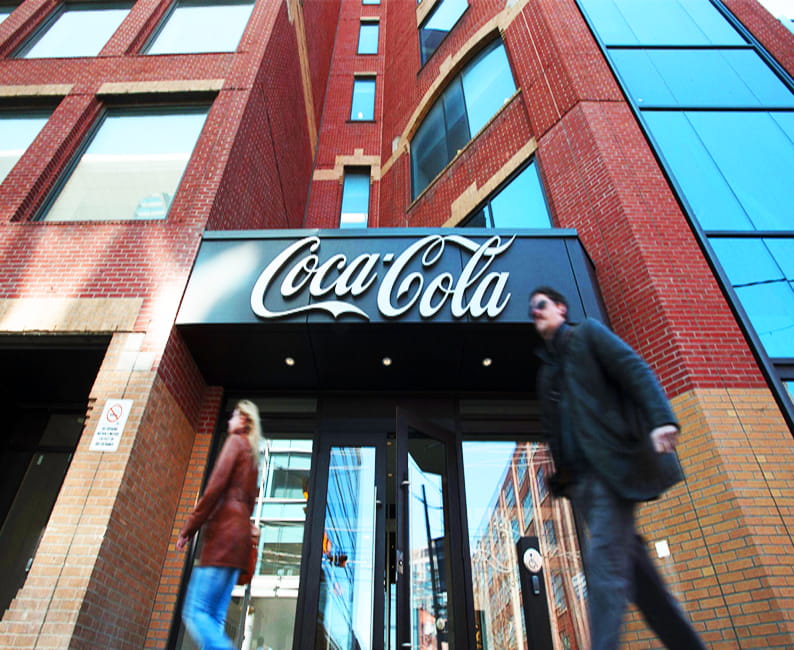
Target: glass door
(386,554)
(347,563)
(430,575)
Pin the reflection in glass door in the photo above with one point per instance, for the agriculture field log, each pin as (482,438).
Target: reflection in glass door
(429,570)
(347,573)
(507,498)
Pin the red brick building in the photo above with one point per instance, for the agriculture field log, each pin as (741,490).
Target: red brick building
(337,208)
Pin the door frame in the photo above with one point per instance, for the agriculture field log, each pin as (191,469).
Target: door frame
(459,569)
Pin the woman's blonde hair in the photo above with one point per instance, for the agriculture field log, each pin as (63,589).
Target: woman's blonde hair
(251,413)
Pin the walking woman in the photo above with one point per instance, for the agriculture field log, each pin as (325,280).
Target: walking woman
(225,508)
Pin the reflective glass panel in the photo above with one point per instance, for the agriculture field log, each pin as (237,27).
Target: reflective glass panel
(455,119)
(17,131)
(728,191)
(438,24)
(487,85)
(79,30)
(202,27)
(790,385)
(491,475)
(5,12)
(660,22)
(762,274)
(132,167)
(347,573)
(355,199)
(368,38)
(700,78)
(521,204)
(428,547)
(429,149)
(363,107)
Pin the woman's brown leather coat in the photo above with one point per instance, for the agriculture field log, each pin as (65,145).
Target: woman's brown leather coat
(226,507)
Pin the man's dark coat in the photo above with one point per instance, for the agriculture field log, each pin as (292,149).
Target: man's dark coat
(610,400)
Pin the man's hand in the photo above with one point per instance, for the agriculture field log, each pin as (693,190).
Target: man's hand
(665,438)
(181,543)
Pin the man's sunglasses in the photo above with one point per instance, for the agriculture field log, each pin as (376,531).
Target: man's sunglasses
(540,305)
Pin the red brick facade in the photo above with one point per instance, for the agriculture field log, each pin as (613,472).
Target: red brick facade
(272,154)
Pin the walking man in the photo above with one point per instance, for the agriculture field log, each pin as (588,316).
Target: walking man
(612,436)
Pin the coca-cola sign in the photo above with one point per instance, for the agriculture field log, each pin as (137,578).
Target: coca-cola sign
(335,282)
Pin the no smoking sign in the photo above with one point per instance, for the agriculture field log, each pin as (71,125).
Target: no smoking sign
(111,425)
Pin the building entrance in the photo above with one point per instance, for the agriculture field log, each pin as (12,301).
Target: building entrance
(392,523)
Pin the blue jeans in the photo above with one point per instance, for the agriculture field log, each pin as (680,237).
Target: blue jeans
(206,603)
(618,569)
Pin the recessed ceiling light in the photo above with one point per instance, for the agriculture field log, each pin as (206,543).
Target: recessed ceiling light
(386,361)
(289,361)
(487,361)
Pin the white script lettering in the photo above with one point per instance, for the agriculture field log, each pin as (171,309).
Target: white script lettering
(475,292)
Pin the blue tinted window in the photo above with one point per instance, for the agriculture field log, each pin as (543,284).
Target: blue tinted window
(487,84)
(728,186)
(17,131)
(694,78)
(762,274)
(355,199)
(467,104)
(521,204)
(195,26)
(756,159)
(363,107)
(660,22)
(438,24)
(429,149)
(368,38)
(78,30)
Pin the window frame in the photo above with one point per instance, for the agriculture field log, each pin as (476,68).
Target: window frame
(361,79)
(40,33)
(440,102)
(775,369)
(66,174)
(173,8)
(423,57)
(363,23)
(359,172)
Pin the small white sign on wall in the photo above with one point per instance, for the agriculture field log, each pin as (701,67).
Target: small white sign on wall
(111,425)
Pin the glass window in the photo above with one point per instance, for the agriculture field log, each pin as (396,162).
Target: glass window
(660,22)
(519,204)
(194,26)
(701,78)
(368,38)
(466,105)
(438,24)
(78,29)
(487,84)
(370,2)
(131,167)
(761,272)
(727,188)
(5,12)
(363,106)
(789,384)
(17,131)
(355,199)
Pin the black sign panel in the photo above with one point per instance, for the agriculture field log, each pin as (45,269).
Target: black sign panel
(441,309)
(447,275)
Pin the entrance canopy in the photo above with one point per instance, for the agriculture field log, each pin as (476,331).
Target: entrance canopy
(430,309)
